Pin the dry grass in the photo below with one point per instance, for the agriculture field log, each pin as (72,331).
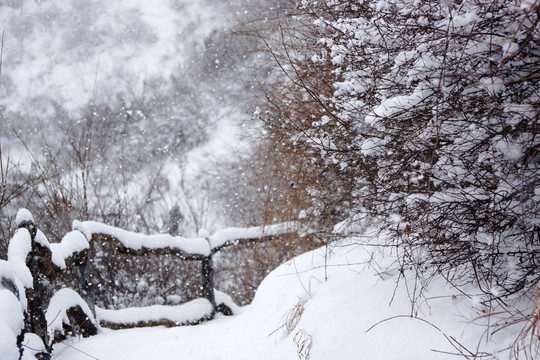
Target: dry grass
(527,344)
(303,343)
(291,318)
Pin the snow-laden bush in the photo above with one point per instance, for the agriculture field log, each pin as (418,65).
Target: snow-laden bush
(423,115)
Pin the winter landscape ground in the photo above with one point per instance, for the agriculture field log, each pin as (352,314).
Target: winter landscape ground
(341,302)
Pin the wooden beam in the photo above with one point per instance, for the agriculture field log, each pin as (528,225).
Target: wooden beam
(145,251)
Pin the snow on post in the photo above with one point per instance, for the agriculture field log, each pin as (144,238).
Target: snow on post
(30,248)
(23,216)
(73,249)
(10,279)
(67,307)
(71,244)
(19,247)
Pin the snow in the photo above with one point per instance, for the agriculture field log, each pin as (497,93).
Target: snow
(201,245)
(56,314)
(23,215)
(341,302)
(492,85)
(19,276)
(466,19)
(32,345)
(226,299)
(220,237)
(19,247)
(41,239)
(11,323)
(138,241)
(8,343)
(15,268)
(188,312)
(397,104)
(528,4)
(14,277)
(72,243)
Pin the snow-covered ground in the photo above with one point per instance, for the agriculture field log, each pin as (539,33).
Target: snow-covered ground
(332,303)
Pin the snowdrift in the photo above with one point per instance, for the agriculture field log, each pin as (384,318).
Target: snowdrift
(340,302)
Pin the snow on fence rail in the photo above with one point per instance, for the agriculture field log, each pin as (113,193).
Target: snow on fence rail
(190,313)
(33,261)
(189,248)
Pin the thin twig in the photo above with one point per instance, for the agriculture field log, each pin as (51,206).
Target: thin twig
(82,352)
(1,51)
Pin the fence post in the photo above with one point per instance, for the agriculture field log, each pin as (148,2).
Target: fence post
(208,280)
(36,322)
(84,281)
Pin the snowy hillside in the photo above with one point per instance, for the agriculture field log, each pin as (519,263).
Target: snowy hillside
(332,303)
(140,97)
(67,53)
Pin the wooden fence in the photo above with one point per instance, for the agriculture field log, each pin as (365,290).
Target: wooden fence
(47,260)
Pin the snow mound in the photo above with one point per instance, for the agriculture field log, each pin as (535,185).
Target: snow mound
(33,345)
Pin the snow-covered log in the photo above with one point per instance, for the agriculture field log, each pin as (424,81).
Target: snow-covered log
(231,236)
(140,244)
(195,248)
(190,313)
